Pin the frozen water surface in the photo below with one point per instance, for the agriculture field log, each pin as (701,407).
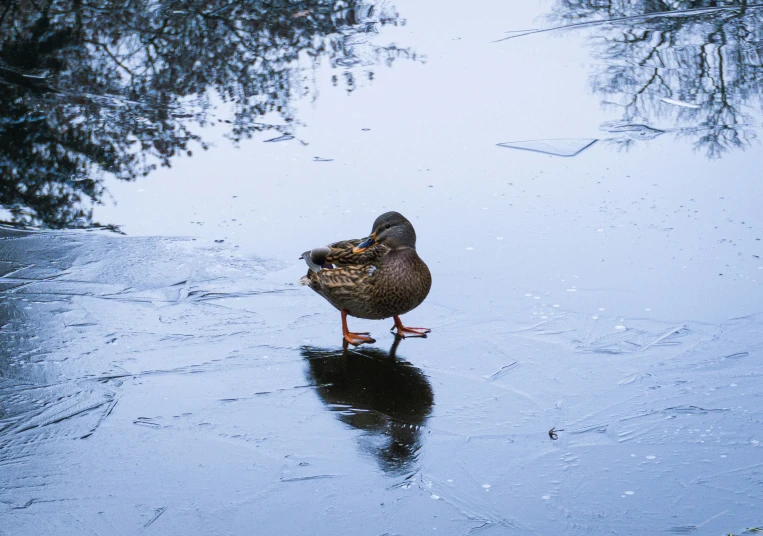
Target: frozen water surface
(596,355)
(554,147)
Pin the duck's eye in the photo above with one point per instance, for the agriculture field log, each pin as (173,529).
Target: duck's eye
(387,226)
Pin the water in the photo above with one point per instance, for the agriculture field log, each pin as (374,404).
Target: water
(594,365)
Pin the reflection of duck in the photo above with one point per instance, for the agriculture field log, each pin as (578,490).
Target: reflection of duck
(379,277)
(374,391)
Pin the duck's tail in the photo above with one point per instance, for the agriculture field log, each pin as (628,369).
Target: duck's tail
(316,258)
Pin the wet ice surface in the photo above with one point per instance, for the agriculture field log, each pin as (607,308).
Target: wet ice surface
(156,382)
(595,361)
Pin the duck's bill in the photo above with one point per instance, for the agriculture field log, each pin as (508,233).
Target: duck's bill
(365,244)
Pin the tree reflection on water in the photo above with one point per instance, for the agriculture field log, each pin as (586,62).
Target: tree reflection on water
(93,88)
(690,66)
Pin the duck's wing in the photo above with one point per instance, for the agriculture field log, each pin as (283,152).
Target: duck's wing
(340,254)
(343,286)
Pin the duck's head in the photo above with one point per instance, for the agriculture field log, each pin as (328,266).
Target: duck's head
(392,230)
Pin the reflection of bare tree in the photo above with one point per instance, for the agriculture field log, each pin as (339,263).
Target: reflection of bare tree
(117,87)
(693,63)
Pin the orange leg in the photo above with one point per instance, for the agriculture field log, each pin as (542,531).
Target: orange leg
(404,332)
(354,338)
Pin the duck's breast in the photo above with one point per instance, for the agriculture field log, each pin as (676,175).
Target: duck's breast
(404,282)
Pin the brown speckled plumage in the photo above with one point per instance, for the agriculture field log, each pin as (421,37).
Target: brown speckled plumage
(385,280)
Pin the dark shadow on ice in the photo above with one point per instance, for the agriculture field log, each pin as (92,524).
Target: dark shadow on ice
(118,88)
(377,392)
(690,67)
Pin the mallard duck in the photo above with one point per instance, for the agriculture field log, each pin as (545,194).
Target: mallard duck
(377,277)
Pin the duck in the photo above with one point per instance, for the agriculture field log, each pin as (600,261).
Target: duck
(377,277)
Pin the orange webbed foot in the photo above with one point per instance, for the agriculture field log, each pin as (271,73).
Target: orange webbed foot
(358,338)
(404,331)
(354,338)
